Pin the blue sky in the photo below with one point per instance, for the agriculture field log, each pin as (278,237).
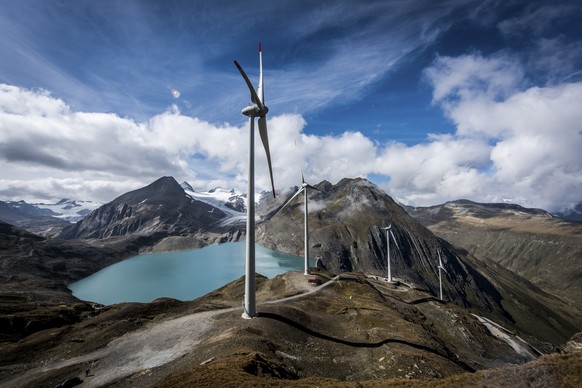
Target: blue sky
(433,101)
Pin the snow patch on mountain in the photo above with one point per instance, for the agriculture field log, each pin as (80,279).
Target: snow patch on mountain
(231,201)
(66,209)
(72,210)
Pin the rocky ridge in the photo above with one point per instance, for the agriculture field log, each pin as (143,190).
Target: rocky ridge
(345,233)
(163,212)
(530,242)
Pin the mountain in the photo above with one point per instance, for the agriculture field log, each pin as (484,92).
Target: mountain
(545,249)
(31,218)
(69,209)
(35,272)
(573,214)
(45,219)
(232,202)
(345,225)
(163,211)
(31,209)
(66,209)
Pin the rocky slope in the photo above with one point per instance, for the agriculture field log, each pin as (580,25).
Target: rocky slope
(39,221)
(345,233)
(530,242)
(161,210)
(351,331)
(35,272)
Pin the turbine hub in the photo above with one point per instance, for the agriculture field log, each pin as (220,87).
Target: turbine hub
(255,111)
(251,111)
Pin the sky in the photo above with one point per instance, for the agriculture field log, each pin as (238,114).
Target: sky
(431,101)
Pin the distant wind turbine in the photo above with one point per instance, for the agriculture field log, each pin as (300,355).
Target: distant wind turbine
(441,268)
(256,109)
(303,188)
(388,234)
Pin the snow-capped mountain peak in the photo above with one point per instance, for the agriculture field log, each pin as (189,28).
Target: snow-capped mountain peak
(66,209)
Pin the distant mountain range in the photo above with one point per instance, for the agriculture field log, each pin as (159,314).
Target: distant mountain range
(45,219)
(49,219)
(36,220)
(66,209)
(573,214)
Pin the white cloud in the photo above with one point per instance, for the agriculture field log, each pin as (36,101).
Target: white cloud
(524,145)
(535,132)
(471,82)
(446,167)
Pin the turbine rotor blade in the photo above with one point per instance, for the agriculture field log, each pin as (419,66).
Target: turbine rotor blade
(289,201)
(265,139)
(441,264)
(254,97)
(312,187)
(261,90)
(394,238)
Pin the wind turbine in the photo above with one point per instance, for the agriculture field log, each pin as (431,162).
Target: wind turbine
(256,109)
(303,188)
(441,268)
(389,233)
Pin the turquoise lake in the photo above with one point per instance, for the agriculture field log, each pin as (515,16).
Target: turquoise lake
(183,275)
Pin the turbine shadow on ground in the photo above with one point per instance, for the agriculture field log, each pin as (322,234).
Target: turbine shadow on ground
(449,356)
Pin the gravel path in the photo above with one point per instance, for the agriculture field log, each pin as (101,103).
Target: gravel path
(147,348)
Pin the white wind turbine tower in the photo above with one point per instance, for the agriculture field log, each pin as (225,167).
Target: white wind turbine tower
(389,234)
(256,109)
(303,188)
(441,268)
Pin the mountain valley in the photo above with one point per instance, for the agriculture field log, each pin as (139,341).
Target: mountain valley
(355,328)
(543,248)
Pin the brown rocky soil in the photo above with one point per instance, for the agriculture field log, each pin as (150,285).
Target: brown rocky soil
(351,331)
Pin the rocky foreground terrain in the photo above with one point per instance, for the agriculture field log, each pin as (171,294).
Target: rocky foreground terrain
(494,328)
(350,331)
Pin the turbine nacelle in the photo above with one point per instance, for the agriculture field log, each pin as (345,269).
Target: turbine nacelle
(258,109)
(388,230)
(441,266)
(255,111)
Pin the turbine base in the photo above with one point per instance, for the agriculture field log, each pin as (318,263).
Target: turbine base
(246,316)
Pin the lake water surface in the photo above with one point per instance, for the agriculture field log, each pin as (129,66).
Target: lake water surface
(183,275)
